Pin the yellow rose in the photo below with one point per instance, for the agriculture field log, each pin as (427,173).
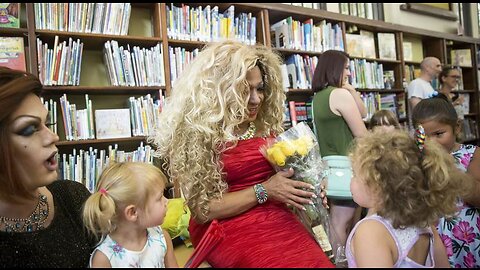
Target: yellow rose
(270,153)
(288,148)
(278,156)
(301,146)
(302,150)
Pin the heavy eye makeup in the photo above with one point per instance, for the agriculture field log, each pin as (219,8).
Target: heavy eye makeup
(31,125)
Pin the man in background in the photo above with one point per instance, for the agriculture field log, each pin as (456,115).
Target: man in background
(421,87)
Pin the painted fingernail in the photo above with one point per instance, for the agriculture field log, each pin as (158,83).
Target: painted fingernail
(314,196)
(304,209)
(311,203)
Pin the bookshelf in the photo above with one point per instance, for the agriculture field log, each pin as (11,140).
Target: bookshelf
(144,31)
(151,24)
(423,43)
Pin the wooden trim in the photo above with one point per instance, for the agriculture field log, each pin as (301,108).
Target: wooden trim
(260,29)
(101,141)
(157,31)
(266,28)
(166,56)
(429,10)
(32,62)
(289,10)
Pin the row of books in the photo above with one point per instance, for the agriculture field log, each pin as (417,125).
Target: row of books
(139,119)
(298,111)
(78,123)
(297,71)
(368,75)
(86,166)
(102,18)
(376,101)
(180,58)
(210,24)
(412,72)
(134,67)
(51,107)
(307,36)
(60,65)
(144,114)
(363,45)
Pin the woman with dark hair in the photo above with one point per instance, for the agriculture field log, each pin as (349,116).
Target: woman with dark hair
(40,218)
(338,110)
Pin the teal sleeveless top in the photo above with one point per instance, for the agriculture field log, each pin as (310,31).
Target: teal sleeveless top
(333,134)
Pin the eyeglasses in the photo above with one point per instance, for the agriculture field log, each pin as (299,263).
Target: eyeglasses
(458,77)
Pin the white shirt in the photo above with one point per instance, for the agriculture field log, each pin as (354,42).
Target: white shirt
(151,256)
(420,88)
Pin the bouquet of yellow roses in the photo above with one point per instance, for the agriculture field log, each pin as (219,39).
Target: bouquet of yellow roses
(297,148)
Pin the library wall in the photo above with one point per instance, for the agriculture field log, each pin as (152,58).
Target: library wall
(474,15)
(393,14)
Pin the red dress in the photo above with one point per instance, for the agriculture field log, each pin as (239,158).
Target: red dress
(266,236)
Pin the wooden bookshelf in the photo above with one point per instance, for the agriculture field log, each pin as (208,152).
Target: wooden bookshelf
(148,26)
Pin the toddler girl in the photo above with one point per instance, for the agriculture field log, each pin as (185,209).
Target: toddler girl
(127,210)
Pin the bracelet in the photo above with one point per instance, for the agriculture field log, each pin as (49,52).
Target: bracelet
(260,193)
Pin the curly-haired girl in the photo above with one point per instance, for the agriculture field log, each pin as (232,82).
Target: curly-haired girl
(407,185)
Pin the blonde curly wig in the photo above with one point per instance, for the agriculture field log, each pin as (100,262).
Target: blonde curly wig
(414,189)
(207,102)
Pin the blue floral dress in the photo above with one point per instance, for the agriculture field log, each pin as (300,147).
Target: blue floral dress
(461,234)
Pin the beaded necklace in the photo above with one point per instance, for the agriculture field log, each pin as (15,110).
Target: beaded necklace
(33,223)
(252,129)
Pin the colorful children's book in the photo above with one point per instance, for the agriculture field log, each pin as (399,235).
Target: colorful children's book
(10,15)
(12,53)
